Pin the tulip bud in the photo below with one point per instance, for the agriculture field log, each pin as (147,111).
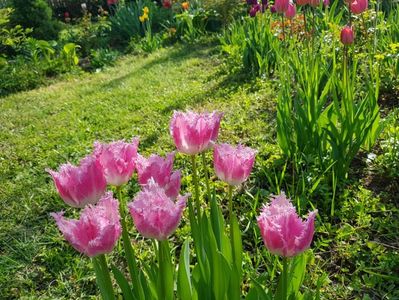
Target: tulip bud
(347,35)
(291,11)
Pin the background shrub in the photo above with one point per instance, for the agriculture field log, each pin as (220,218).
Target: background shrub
(35,14)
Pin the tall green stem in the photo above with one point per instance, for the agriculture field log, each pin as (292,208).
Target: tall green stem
(208,189)
(196,186)
(103,277)
(285,278)
(129,251)
(230,193)
(165,272)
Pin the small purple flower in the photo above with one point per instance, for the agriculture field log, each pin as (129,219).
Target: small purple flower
(254,9)
(273,9)
(252,2)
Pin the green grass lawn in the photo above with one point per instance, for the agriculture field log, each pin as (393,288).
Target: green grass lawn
(58,123)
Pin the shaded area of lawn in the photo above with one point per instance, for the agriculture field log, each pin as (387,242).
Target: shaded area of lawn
(51,125)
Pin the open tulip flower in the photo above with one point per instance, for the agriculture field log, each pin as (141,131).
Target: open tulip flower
(233,164)
(192,132)
(118,160)
(156,215)
(160,170)
(80,185)
(282,230)
(97,230)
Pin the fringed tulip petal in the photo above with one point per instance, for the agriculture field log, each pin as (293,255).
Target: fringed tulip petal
(233,164)
(192,132)
(97,230)
(118,160)
(80,185)
(283,231)
(156,215)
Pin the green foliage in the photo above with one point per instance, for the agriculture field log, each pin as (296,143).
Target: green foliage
(12,38)
(35,14)
(223,12)
(125,23)
(37,60)
(87,34)
(251,45)
(101,58)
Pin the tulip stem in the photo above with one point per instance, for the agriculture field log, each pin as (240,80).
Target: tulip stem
(230,195)
(129,251)
(196,186)
(103,277)
(285,278)
(208,190)
(165,272)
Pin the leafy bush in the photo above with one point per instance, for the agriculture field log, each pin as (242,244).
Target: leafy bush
(87,34)
(35,14)
(100,58)
(12,38)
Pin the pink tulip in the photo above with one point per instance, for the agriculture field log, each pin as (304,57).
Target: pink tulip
(81,185)
(314,3)
(291,11)
(281,6)
(156,215)
(347,35)
(233,164)
(192,132)
(302,2)
(118,160)
(359,6)
(326,3)
(97,230)
(160,170)
(283,231)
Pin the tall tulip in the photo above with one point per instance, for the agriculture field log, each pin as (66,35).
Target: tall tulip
(160,170)
(291,11)
(281,6)
(97,230)
(347,35)
(192,132)
(358,6)
(80,185)
(118,160)
(156,215)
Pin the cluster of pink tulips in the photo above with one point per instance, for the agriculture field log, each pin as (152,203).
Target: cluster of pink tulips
(287,9)
(158,208)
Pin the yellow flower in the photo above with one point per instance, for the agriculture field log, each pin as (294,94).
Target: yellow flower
(379,56)
(146,10)
(143,18)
